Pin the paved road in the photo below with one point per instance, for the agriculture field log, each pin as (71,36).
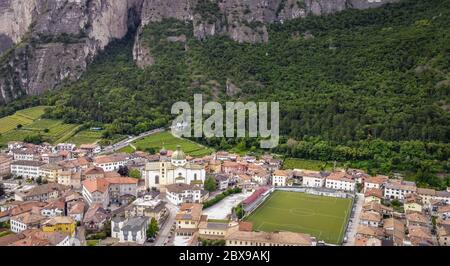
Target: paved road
(81,235)
(353,229)
(164,232)
(126,142)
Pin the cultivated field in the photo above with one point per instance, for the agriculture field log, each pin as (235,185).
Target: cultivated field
(313,165)
(23,117)
(168,141)
(86,137)
(322,217)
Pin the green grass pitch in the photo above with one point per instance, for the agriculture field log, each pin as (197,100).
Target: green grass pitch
(322,217)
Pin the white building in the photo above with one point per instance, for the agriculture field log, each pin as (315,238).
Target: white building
(161,174)
(108,190)
(312,178)
(370,218)
(340,181)
(111,162)
(26,169)
(398,189)
(376,182)
(25,154)
(280,178)
(24,221)
(66,147)
(133,229)
(178,194)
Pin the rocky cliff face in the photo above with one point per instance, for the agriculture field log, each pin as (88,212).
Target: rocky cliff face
(47,42)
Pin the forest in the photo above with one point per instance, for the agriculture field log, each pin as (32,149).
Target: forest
(370,87)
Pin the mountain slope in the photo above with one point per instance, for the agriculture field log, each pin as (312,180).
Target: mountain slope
(47,43)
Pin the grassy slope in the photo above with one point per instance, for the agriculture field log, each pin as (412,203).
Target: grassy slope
(169,142)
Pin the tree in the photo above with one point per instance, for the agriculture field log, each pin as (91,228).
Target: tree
(153,228)
(39,180)
(135,173)
(19,126)
(210,184)
(123,171)
(34,139)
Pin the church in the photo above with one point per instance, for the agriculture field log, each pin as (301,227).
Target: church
(175,170)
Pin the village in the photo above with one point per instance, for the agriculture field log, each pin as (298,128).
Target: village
(66,195)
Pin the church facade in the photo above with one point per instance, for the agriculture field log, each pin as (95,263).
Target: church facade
(177,170)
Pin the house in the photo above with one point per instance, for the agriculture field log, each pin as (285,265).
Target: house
(10,239)
(443,212)
(182,193)
(91,149)
(26,169)
(362,241)
(370,218)
(76,211)
(230,167)
(375,182)
(93,173)
(149,207)
(245,238)
(70,179)
(370,231)
(395,230)
(95,191)
(66,147)
(54,238)
(443,235)
(340,181)
(54,208)
(280,178)
(212,230)
(5,165)
(61,224)
(443,196)
(398,189)
(108,189)
(42,193)
(31,241)
(49,172)
(222,156)
(20,208)
(413,203)
(260,176)
(52,158)
(188,219)
(95,218)
(25,154)
(426,194)
(133,229)
(420,236)
(27,220)
(222,181)
(111,162)
(417,219)
(312,178)
(373,195)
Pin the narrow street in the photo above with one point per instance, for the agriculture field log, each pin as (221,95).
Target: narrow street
(81,235)
(354,221)
(164,232)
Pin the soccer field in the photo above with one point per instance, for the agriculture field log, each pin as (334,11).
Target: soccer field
(322,217)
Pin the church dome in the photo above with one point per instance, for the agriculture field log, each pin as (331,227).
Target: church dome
(178,155)
(163,151)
